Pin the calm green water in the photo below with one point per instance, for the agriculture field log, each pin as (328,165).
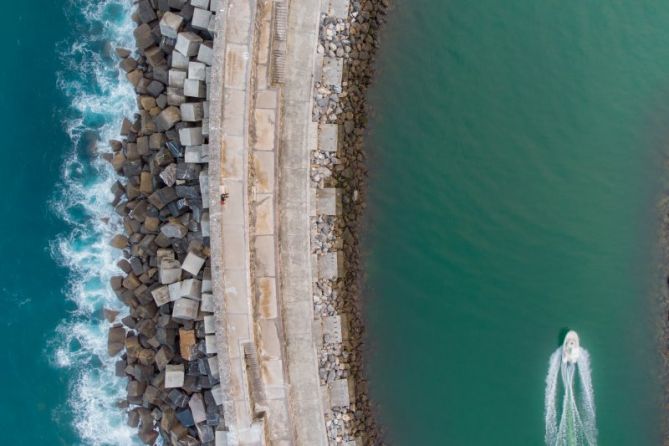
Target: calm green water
(517,156)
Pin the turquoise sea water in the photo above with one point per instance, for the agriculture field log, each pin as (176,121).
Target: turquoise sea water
(517,155)
(61,93)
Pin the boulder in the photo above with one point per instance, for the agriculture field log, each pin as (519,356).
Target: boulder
(146,183)
(188,43)
(170,24)
(155,88)
(156,140)
(174,376)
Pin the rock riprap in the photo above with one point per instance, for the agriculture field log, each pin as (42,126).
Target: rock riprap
(173,388)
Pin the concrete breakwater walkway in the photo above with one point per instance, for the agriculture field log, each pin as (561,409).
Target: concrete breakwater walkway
(242,188)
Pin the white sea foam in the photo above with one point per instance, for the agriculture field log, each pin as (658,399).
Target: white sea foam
(99,97)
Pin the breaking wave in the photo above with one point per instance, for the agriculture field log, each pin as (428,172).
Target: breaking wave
(98,98)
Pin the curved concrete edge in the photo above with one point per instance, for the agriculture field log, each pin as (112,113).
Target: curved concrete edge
(215,208)
(295,253)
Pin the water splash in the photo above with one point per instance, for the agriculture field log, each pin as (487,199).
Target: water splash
(98,98)
(569,401)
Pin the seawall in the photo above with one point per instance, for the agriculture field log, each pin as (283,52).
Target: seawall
(242,182)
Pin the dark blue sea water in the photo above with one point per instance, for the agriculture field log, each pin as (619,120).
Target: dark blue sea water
(60,94)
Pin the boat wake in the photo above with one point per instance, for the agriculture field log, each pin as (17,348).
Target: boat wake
(569,403)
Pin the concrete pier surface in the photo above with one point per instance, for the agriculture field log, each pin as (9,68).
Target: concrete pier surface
(264,135)
(240,187)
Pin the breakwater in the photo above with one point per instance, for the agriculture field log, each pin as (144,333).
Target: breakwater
(243,291)
(166,341)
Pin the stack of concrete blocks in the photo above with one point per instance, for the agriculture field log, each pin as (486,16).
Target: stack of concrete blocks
(164,200)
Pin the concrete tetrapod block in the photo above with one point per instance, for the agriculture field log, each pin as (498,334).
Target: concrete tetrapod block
(197,70)
(332,329)
(191,288)
(188,43)
(193,154)
(205,54)
(193,263)
(210,344)
(185,309)
(207,304)
(161,295)
(209,324)
(194,88)
(191,136)
(169,271)
(176,78)
(179,61)
(340,393)
(196,405)
(201,18)
(330,265)
(328,137)
(328,201)
(333,70)
(170,24)
(174,376)
(192,111)
(217,393)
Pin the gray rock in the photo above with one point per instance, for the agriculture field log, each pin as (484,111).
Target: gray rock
(155,88)
(154,56)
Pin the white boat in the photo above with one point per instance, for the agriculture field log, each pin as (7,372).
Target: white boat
(571,348)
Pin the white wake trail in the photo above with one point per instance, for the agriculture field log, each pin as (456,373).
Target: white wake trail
(569,398)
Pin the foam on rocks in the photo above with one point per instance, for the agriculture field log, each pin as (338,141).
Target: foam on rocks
(165,345)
